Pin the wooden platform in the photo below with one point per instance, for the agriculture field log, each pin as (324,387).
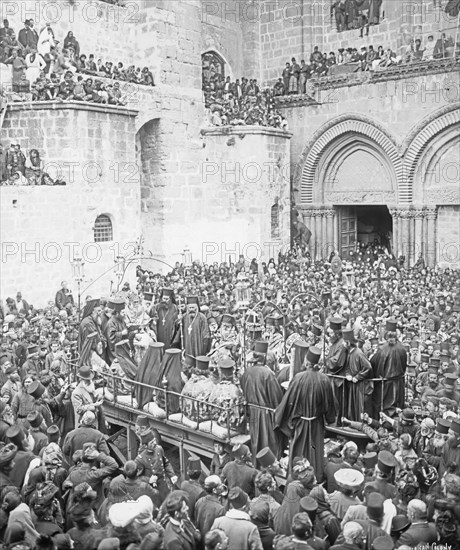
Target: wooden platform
(187,440)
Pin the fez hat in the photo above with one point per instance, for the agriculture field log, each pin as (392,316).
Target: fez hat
(455,425)
(142,421)
(386,462)
(308,504)
(52,430)
(384,542)
(237,497)
(410,370)
(193,463)
(240,451)
(261,346)
(445,346)
(15,434)
(435,361)
(202,362)
(444,358)
(148,296)
(348,478)
(442,426)
(370,460)
(36,389)
(7,454)
(432,369)
(228,319)
(265,457)
(374,341)
(336,323)
(391,325)
(117,304)
(32,349)
(349,335)
(313,355)
(193,300)
(226,364)
(35,419)
(85,373)
(316,330)
(374,501)
(424,357)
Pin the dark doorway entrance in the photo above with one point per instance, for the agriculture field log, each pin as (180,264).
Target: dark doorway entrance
(364,224)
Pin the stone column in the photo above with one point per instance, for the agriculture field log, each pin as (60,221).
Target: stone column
(329,215)
(418,237)
(308,221)
(431,217)
(318,232)
(395,245)
(404,229)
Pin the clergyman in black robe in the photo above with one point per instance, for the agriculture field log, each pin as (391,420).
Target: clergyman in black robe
(195,330)
(389,363)
(148,373)
(260,387)
(303,411)
(167,313)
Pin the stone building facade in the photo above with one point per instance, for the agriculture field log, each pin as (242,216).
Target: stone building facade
(161,168)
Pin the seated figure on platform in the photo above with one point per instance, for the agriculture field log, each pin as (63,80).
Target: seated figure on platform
(199,386)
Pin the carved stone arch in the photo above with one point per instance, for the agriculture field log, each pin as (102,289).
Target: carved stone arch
(422,135)
(324,138)
(220,57)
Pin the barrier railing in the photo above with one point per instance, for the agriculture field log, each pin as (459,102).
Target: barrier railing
(205,411)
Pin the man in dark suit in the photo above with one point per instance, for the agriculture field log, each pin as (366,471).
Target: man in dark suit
(192,485)
(180,533)
(420,532)
(209,507)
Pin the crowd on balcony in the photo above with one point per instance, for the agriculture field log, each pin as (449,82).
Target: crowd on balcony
(42,69)
(238,103)
(295,76)
(16,168)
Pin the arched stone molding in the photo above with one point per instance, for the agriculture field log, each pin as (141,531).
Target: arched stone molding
(325,139)
(422,135)
(228,67)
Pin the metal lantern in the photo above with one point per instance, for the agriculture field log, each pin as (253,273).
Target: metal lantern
(187,257)
(78,269)
(243,291)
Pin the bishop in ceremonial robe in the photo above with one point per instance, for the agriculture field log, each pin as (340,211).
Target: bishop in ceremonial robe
(301,415)
(90,323)
(167,313)
(195,330)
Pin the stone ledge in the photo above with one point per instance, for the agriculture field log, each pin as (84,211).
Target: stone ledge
(245,130)
(72,106)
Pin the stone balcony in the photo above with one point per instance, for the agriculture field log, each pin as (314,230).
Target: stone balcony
(397,72)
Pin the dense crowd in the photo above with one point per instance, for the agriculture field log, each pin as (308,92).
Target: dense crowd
(295,76)
(277,350)
(18,169)
(240,103)
(44,70)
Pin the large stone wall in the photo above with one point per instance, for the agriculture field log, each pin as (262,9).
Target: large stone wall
(43,227)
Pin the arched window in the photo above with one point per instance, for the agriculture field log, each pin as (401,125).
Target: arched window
(275,221)
(213,67)
(103,231)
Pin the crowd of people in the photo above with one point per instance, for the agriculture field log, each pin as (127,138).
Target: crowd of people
(280,351)
(18,169)
(240,103)
(295,76)
(43,70)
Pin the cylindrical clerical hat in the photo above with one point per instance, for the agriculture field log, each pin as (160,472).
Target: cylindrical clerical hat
(167,292)
(316,330)
(391,325)
(265,457)
(202,362)
(117,304)
(370,460)
(348,335)
(336,323)
(442,426)
(193,300)
(148,296)
(261,346)
(313,355)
